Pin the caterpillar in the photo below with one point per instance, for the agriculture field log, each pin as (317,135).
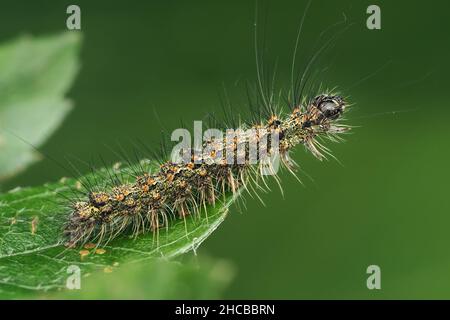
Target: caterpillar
(220,166)
(179,189)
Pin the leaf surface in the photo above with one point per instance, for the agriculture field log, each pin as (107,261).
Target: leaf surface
(32,254)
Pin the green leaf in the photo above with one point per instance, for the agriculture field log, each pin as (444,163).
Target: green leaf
(32,254)
(35,74)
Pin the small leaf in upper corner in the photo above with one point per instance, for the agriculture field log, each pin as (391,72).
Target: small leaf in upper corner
(35,74)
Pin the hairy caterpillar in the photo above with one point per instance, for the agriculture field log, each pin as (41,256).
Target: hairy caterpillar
(179,189)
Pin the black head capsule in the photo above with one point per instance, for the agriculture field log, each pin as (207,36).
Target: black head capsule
(330,106)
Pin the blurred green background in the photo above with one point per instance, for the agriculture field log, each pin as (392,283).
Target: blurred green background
(387,204)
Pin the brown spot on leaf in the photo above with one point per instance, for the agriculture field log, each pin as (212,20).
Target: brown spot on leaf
(34,225)
(83,253)
(107,270)
(100,251)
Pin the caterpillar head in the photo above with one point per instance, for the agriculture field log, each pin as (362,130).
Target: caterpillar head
(331,107)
